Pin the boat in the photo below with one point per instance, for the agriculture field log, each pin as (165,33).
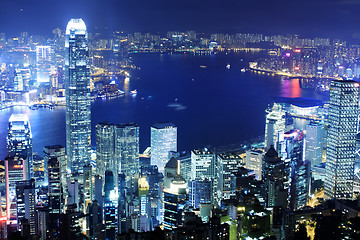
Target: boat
(203,66)
(228,66)
(134,92)
(243,70)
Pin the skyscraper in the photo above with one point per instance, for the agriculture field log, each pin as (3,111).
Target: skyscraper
(127,149)
(275,177)
(25,203)
(275,122)
(55,191)
(58,152)
(163,140)
(341,145)
(315,134)
(104,148)
(19,141)
(78,112)
(300,173)
(43,63)
(202,164)
(14,172)
(227,166)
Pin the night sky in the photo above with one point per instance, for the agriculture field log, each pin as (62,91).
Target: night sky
(309,17)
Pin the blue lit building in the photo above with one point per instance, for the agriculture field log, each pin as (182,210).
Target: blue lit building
(25,203)
(341,140)
(77,91)
(200,192)
(19,141)
(127,149)
(300,174)
(163,140)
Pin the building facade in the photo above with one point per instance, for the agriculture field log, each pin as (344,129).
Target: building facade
(77,91)
(163,140)
(19,141)
(341,145)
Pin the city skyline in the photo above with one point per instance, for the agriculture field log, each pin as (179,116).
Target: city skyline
(282,111)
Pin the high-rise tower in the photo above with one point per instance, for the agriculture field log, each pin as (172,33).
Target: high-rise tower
(78,115)
(163,140)
(341,145)
(19,141)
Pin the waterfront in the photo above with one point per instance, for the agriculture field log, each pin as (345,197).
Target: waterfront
(211,105)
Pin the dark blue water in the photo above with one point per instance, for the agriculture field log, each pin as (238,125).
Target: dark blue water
(219,106)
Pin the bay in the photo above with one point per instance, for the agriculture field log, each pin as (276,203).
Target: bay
(209,103)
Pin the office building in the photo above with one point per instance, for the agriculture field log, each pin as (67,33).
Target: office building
(25,203)
(163,140)
(127,149)
(44,58)
(300,174)
(19,141)
(275,122)
(174,202)
(105,158)
(110,206)
(341,139)
(253,161)
(121,203)
(58,152)
(275,176)
(87,185)
(54,187)
(14,172)
(203,164)
(227,167)
(73,194)
(315,142)
(77,91)
(155,180)
(94,220)
(200,191)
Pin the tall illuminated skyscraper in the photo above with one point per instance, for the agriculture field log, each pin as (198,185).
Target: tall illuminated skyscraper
(163,140)
(25,203)
(19,141)
(78,111)
(341,145)
(275,122)
(14,172)
(104,148)
(127,149)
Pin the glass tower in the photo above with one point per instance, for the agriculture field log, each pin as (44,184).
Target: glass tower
(341,146)
(127,149)
(78,115)
(19,141)
(104,148)
(163,140)
(43,63)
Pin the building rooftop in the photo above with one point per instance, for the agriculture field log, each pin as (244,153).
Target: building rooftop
(202,151)
(229,155)
(172,163)
(300,102)
(163,125)
(18,118)
(77,25)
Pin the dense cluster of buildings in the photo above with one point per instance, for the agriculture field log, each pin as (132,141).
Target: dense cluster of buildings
(310,154)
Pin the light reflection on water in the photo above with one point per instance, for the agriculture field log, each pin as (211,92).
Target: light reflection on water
(223,105)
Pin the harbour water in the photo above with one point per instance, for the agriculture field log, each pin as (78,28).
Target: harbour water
(209,97)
